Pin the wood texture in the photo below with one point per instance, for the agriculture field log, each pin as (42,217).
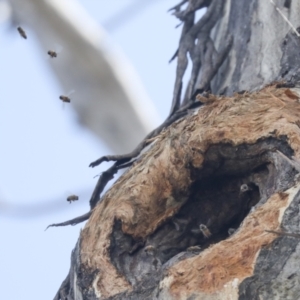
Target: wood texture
(136,243)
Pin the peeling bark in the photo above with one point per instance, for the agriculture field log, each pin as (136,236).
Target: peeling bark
(190,218)
(137,243)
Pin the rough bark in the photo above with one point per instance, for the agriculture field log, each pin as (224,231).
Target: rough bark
(230,164)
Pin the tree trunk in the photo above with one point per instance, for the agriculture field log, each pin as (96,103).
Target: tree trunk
(191,219)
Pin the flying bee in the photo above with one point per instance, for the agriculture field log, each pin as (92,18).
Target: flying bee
(52,53)
(65,99)
(72,198)
(205,231)
(22,32)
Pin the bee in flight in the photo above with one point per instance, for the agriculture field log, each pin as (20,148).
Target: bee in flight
(72,198)
(22,32)
(65,99)
(52,53)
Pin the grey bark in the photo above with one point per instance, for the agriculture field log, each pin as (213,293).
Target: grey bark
(236,46)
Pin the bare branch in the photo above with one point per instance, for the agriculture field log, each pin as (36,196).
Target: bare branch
(185,44)
(104,178)
(72,222)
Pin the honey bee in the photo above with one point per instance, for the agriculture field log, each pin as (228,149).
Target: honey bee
(244,188)
(52,53)
(150,250)
(72,198)
(22,32)
(231,231)
(205,231)
(194,248)
(65,99)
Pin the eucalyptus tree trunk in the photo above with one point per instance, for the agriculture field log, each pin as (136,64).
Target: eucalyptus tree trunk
(211,209)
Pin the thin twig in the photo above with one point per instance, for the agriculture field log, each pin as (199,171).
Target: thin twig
(104,178)
(72,222)
(174,56)
(186,44)
(191,8)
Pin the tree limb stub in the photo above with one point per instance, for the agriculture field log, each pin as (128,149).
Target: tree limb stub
(137,239)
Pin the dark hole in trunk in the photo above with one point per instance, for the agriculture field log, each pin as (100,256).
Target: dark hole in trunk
(231,182)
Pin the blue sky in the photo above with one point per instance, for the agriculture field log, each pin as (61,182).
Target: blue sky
(45,153)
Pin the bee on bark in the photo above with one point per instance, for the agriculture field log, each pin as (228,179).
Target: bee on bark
(205,231)
(194,248)
(72,198)
(22,32)
(52,53)
(150,250)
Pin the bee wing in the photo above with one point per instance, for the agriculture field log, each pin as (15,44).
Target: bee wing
(209,222)
(67,194)
(70,93)
(57,49)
